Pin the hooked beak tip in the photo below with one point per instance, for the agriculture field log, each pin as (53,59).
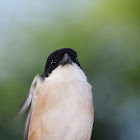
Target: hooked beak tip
(66,59)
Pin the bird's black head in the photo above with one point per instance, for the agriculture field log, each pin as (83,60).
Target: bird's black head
(60,57)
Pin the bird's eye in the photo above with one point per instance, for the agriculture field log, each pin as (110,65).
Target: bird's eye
(53,62)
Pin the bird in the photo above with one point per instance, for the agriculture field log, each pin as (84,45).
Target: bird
(59,103)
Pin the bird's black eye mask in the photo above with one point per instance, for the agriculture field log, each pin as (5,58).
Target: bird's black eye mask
(57,57)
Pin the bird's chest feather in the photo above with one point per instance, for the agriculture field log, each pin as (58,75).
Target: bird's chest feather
(63,111)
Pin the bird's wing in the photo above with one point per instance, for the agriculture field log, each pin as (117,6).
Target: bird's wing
(30,101)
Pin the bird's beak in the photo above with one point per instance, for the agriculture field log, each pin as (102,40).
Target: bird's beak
(66,59)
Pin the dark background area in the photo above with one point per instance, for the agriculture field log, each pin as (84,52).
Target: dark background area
(106,36)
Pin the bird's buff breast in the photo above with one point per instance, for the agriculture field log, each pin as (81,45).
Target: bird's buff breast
(63,111)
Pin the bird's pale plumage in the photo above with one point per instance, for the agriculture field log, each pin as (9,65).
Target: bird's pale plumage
(30,101)
(60,101)
(63,111)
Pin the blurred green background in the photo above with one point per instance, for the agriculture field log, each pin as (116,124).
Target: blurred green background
(106,36)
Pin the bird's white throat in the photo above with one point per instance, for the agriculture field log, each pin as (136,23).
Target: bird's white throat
(67,73)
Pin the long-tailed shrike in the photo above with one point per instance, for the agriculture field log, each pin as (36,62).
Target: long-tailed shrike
(59,102)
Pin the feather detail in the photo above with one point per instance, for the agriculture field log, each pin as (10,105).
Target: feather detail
(30,102)
(26,104)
